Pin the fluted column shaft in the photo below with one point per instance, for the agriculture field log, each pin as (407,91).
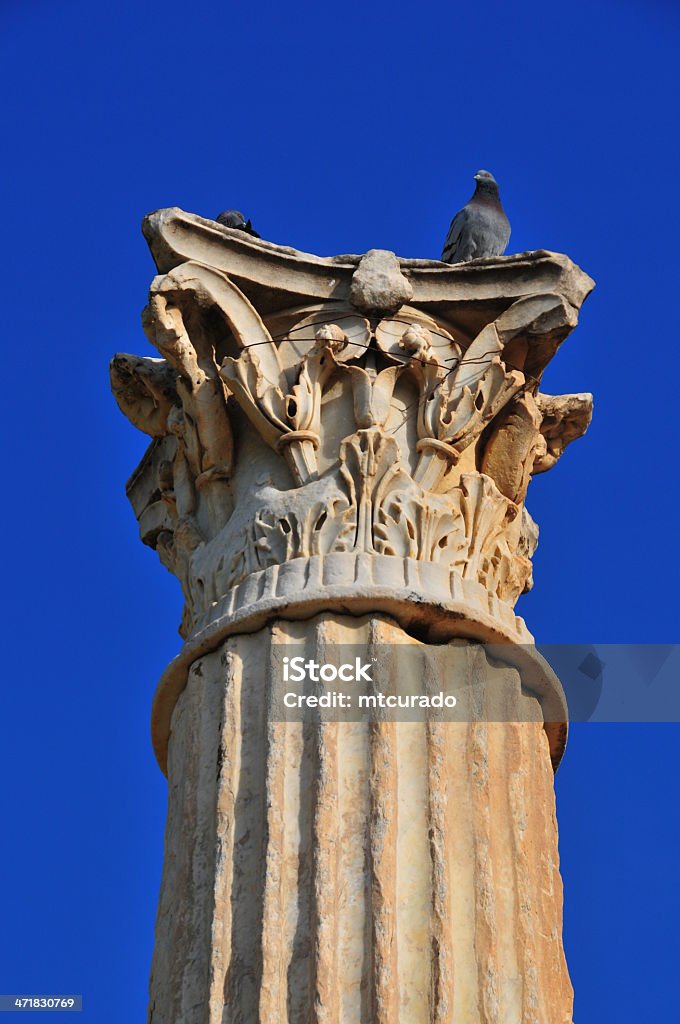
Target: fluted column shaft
(355,872)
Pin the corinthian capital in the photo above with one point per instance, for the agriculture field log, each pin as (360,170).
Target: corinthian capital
(305,449)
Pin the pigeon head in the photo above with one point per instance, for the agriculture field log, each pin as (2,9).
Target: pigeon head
(231,219)
(486,182)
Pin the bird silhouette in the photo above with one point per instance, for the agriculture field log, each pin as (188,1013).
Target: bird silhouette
(481,227)
(235,219)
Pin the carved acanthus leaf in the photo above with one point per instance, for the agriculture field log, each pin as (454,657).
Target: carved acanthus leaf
(370,466)
(145,391)
(173,324)
(455,406)
(372,394)
(477,389)
(486,514)
(286,422)
(565,418)
(263,403)
(514,446)
(303,407)
(274,537)
(412,526)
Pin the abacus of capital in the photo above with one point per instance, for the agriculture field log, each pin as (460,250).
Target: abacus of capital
(341,449)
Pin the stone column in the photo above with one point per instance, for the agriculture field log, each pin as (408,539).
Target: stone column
(341,452)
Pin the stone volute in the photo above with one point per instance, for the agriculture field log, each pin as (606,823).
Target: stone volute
(343,446)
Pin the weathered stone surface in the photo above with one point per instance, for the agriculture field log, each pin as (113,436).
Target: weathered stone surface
(145,391)
(333,437)
(378,285)
(367,439)
(565,418)
(275,277)
(356,872)
(513,448)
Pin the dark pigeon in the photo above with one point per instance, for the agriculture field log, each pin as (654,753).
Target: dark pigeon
(480,228)
(235,219)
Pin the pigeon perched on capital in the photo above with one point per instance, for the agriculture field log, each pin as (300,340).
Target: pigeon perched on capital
(481,227)
(235,219)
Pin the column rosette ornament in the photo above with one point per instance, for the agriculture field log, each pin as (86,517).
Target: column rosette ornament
(311,454)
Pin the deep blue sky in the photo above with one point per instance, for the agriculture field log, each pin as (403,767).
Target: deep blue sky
(337,128)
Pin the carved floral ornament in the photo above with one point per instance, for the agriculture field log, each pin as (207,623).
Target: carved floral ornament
(326,431)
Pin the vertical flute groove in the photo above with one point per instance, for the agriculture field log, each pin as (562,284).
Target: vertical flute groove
(227,771)
(438,759)
(524,899)
(244,973)
(326,908)
(325,852)
(383,858)
(274,925)
(547,884)
(485,903)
